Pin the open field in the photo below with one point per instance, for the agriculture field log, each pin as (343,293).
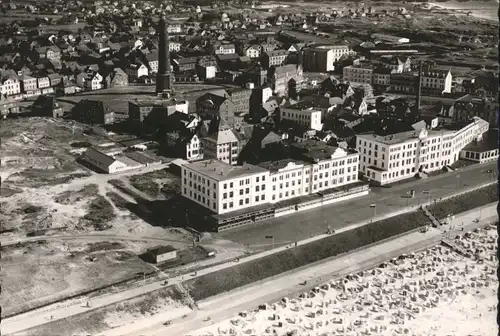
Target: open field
(156,184)
(465,202)
(41,272)
(240,275)
(116,99)
(46,193)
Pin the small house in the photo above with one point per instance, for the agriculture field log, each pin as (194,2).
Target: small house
(159,254)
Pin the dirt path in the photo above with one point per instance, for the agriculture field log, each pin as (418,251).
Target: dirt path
(124,195)
(97,237)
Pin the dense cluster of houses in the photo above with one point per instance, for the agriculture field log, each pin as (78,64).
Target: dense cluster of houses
(270,101)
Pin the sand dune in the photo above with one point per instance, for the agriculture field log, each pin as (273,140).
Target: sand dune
(439,291)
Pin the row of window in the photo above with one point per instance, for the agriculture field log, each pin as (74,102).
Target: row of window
(245,182)
(230,205)
(243,191)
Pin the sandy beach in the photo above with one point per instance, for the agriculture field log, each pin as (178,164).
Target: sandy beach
(440,291)
(479,9)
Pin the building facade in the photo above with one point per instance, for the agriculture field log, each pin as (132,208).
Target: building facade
(274,58)
(470,106)
(362,73)
(223,188)
(309,117)
(223,145)
(10,85)
(323,58)
(436,82)
(387,159)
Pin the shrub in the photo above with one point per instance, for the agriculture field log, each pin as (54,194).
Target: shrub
(465,202)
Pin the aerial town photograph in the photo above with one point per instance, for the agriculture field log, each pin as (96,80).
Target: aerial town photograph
(249,167)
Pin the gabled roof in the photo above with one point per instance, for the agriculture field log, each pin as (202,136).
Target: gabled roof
(100,157)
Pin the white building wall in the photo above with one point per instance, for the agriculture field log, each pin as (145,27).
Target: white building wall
(270,187)
(430,151)
(310,118)
(225,196)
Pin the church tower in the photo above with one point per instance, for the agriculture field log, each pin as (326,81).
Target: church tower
(164,78)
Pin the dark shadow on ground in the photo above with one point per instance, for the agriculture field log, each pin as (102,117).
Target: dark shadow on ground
(174,212)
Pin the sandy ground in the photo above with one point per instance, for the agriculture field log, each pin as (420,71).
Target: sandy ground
(480,9)
(435,292)
(44,189)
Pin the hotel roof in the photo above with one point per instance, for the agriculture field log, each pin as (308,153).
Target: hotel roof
(274,166)
(221,171)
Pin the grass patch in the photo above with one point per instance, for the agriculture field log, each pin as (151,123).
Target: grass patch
(69,197)
(148,187)
(240,275)
(465,202)
(122,186)
(100,212)
(94,322)
(7,192)
(149,183)
(119,201)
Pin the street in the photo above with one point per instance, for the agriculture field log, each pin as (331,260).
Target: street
(312,222)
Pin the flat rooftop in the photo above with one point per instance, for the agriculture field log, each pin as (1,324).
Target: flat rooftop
(274,166)
(221,171)
(401,137)
(488,143)
(158,102)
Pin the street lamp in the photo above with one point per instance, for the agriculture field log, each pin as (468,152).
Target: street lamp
(428,193)
(450,219)
(374,207)
(271,237)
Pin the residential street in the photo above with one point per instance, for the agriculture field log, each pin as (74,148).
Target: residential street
(301,225)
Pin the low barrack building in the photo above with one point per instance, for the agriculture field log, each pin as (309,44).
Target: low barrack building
(159,254)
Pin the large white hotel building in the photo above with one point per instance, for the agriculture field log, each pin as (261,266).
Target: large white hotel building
(223,188)
(387,159)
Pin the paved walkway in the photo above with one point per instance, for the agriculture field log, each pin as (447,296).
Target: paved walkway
(312,222)
(228,305)
(70,308)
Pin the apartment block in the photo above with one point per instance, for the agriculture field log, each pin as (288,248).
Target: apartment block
(223,188)
(309,117)
(322,58)
(361,73)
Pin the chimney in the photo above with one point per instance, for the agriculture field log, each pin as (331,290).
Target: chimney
(419,87)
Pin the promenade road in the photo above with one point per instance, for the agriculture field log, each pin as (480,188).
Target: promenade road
(312,222)
(227,305)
